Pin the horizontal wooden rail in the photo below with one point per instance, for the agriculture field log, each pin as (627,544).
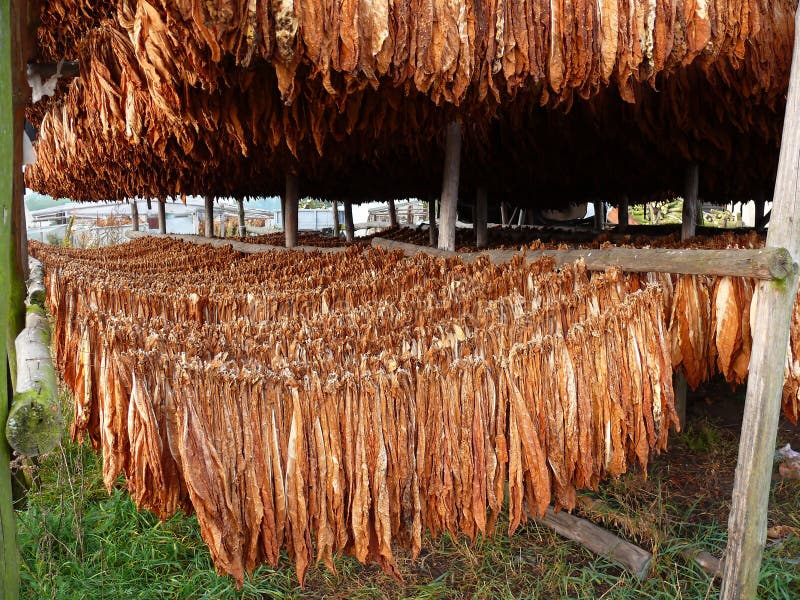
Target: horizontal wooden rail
(763,263)
(219,243)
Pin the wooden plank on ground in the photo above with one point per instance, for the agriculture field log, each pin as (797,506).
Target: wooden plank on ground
(600,541)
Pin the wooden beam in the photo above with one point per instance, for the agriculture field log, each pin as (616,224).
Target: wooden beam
(242,225)
(481,218)
(505,218)
(392,214)
(162,216)
(690,194)
(774,304)
(209,223)
(622,214)
(10,171)
(432,233)
(349,229)
(336,232)
(244,247)
(450,177)
(763,264)
(600,541)
(292,196)
(135,214)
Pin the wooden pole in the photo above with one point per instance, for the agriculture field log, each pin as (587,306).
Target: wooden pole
(432,233)
(10,173)
(622,214)
(222,221)
(242,226)
(162,216)
(392,214)
(349,228)
(599,215)
(688,227)
(481,218)
(504,217)
(209,226)
(774,303)
(292,196)
(450,177)
(763,263)
(336,232)
(135,214)
(692,184)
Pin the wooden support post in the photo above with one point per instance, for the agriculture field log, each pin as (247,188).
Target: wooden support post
(162,216)
(149,206)
(349,228)
(758,212)
(11,95)
(481,218)
(242,226)
(292,196)
(690,195)
(599,215)
(450,177)
(432,234)
(392,214)
(522,215)
(135,214)
(209,223)
(774,303)
(222,222)
(688,227)
(622,214)
(336,232)
(505,218)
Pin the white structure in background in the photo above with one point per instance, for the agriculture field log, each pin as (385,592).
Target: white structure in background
(748,210)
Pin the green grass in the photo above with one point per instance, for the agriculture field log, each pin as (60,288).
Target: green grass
(77,541)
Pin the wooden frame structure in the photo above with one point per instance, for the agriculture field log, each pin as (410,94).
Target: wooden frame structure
(775,267)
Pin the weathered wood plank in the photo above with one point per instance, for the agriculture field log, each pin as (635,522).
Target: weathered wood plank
(450,177)
(209,223)
(772,263)
(600,541)
(392,214)
(774,302)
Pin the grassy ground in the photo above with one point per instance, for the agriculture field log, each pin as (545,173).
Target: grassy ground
(79,542)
